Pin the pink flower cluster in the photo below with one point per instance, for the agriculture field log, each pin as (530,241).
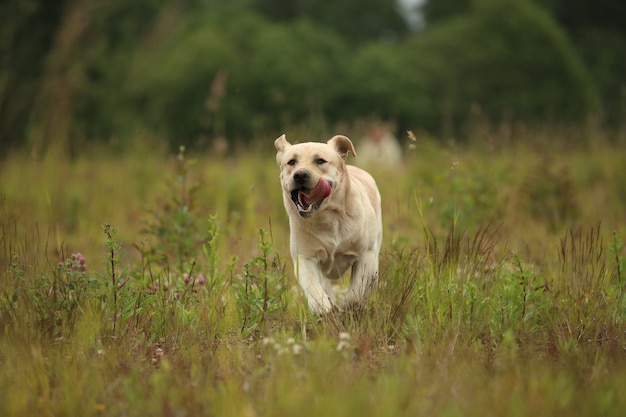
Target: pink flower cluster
(201,280)
(76,262)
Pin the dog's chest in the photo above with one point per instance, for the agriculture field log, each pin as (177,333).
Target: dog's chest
(336,264)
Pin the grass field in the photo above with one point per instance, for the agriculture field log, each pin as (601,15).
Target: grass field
(156,284)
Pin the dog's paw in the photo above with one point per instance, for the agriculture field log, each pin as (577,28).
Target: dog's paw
(321,307)
(350,300)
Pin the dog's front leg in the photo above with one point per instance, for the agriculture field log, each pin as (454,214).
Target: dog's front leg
(312,282)
(363,279)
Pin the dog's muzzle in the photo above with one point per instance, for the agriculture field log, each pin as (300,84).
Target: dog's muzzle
(308,200)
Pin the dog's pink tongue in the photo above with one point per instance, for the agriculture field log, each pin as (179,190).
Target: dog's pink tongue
(321,191)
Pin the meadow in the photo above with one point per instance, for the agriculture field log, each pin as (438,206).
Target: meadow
(152,283)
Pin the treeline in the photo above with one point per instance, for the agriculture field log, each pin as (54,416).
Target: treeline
(74,71)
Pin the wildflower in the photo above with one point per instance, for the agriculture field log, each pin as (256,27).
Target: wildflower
(344,341)
(76,262)
(78,257)
(201,280)
(186,279)
(157,354)
(413,140)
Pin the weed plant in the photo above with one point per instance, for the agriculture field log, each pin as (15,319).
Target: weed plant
(186,305)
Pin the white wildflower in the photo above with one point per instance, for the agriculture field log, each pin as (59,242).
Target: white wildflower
(344,341)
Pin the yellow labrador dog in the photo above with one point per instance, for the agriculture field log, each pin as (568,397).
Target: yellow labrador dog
(334,217)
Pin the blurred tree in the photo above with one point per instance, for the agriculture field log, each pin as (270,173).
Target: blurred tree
(64,64)
(26,30)
(280,10)
(356,21)
(509,58)
(596,29)
(437,11)
(579,16)
(381,84)
(79,70)
(268,76)
(183,86)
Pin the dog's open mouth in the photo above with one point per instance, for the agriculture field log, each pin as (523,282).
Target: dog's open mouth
(309,200)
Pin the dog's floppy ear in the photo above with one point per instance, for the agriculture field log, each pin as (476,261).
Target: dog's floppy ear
(281,145)
(343,145)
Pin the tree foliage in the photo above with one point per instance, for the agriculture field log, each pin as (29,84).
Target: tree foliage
(75,71)
(596,30)
(356,21)
(509,58)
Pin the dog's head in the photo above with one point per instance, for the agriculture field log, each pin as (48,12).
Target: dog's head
(311,171)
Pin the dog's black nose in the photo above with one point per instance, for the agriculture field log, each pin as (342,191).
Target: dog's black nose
(301,176)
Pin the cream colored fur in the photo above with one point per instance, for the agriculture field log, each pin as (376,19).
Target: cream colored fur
(341,231)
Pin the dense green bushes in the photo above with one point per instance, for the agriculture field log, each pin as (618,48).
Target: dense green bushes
(509,58)
(196,71)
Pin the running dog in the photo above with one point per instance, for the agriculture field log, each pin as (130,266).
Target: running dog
(335,220)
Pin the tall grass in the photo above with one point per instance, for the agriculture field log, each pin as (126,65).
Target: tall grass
(171,293)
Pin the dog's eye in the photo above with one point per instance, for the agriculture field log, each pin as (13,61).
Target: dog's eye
(320,161)
(291,162)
